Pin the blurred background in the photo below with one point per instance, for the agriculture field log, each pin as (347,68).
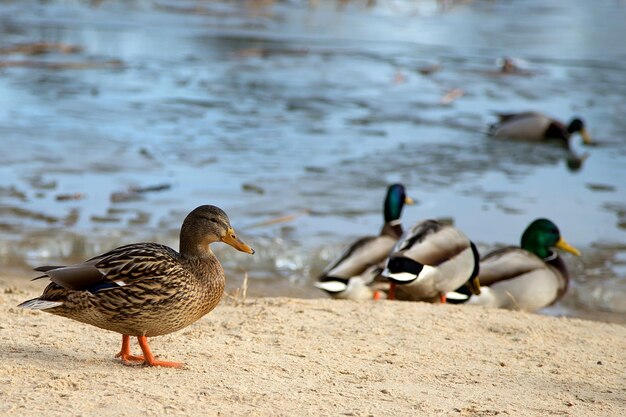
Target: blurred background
(119,117)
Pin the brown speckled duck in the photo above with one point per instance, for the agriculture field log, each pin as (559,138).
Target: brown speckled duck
(145,289)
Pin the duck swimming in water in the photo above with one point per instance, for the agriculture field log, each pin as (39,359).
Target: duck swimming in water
(537,127)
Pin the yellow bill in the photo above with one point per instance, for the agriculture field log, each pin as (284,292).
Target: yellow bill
(230,238)
(474,285)
(562,244)
(586,136)
(409,201)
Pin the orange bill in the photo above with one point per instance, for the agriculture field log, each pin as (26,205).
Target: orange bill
(231,239)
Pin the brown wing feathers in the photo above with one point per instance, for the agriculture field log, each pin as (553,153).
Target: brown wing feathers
(116,268)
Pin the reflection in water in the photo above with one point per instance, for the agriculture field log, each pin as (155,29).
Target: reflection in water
(281,108)
(575,162)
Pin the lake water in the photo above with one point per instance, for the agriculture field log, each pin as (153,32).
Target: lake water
(309,109)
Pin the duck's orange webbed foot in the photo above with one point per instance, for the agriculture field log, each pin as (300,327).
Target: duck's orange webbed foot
(165,364)
(148,357)
(124,353)
(129,359)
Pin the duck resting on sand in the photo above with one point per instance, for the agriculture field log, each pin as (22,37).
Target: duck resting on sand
(144,289)
(429,260)
(537,127)
(527,278)
(355,273)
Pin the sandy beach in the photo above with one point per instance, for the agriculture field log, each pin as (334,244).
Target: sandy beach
(280,356)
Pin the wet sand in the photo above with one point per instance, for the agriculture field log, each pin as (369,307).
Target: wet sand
(280,356)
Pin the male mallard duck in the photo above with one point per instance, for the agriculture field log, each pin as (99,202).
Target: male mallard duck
(529,277)
(534,126)
(145,289)
(366,254)
(430,260)
(369,285)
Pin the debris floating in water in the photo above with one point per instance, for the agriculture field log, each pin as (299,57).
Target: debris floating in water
(452,95)
(114,63)
(70,197)
(252,188)
(429,69)
(135,193)
(38,48)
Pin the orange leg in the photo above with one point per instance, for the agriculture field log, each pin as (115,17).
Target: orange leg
(442,298)
(125,352)
(149,358)
(392,291)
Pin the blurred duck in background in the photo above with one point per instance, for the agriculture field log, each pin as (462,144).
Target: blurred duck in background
(537,127)
(512,66)
(527,278)
(355,274)
(430,260)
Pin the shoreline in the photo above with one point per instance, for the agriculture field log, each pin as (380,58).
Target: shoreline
(21,280)
(282,356)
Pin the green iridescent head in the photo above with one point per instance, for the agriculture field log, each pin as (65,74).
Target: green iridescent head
(541,235)
(395,201)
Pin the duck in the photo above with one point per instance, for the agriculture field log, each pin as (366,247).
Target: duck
(368,285)
(529,277)
(354,274)
(431,259)
(144,289)
(537,127)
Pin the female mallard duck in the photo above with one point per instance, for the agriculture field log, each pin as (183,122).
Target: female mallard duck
(430,260)
(529,277)
(145,289)
(350,276)
(536,127)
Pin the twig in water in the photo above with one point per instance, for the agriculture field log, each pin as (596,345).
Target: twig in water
(277,220)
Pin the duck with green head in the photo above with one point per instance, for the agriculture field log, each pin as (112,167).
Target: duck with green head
(355,273)
(537,127)
(529,277)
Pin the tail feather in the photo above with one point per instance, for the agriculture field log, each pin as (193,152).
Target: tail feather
(39,304)
(41,277)
(47,268)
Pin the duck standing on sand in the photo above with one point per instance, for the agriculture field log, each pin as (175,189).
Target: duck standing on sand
(352,274)
(145,289)
(527,278)
(537,127)
(431,259)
